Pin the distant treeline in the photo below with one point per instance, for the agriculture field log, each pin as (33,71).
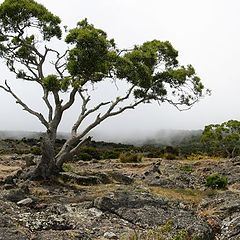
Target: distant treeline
(168,144)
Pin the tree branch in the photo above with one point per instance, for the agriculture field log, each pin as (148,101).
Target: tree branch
(71,100)
(109,113)
(50,109)
(84,113)
(25,107)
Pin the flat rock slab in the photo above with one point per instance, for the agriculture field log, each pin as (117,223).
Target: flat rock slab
(145,210)
(82,180)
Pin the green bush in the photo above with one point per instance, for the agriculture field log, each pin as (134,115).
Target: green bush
(216,181)
(36,150)
(67,167)
(128,157)
(186,168)
(84,156)
(169,156)
(87,154)
(110,154)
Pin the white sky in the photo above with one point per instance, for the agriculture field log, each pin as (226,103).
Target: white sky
(206,33)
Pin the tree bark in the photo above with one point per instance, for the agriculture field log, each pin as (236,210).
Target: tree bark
(47,167)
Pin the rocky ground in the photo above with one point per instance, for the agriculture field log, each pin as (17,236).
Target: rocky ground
(155,199)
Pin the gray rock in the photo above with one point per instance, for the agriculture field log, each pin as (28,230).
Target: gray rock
(29,160)
(82,180)
(15,195)
(12,234)
(231,227)
(148,211)
(121,178)
(110,235)
(25,202)
(96,212)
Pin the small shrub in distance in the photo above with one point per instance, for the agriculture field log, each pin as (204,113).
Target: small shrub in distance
(67,167)
(87,154)
(83,156)
(169,156)
(110,154)
(36,150)
(128,157)
(216,181)
(186,168)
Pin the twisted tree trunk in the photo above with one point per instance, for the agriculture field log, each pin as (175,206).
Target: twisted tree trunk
(47,167)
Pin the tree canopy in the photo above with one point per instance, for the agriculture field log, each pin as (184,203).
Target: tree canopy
(224,137)
(151,70)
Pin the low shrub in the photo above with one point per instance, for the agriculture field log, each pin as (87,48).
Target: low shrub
(83,156)
(186,168)
(87,154)
(129,157)
(67,167)
(110,154)
(216,181)
(169,156)
(36,150)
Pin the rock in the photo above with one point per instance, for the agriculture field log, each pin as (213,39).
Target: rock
(29,160)
(12,234)
(110,235)
(11,179)
(153,169)
(147,211)
(121,178)
(96,212)
(231,227)
(8,186)
(104,178)
(15,195)
(25,202)
(82,180)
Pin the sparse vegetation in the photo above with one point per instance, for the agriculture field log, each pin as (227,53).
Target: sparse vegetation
(129,157)
(158,233)
(216,181)
(186,168)
(110,154)
(36,150)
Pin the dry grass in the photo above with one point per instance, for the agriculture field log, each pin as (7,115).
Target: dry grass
(208,212)
(8,170)
(40,191)
(185,195)
(199,157)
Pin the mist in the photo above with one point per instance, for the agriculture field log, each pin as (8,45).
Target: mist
(206,34)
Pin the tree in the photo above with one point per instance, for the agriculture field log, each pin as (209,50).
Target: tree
(223,137)
(151,72)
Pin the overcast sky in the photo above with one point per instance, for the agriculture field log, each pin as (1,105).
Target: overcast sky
(206,34)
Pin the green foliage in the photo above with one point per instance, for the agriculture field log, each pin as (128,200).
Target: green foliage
(92,57)
(129,157)
(36,150)
(83,156)
(93,54)
(17,15)
(225,136)
(139,68)
(28,33)
(88,153)
(216,181)
(186,168)
(67,167)
(169,156)
(182,235)
(110,154)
